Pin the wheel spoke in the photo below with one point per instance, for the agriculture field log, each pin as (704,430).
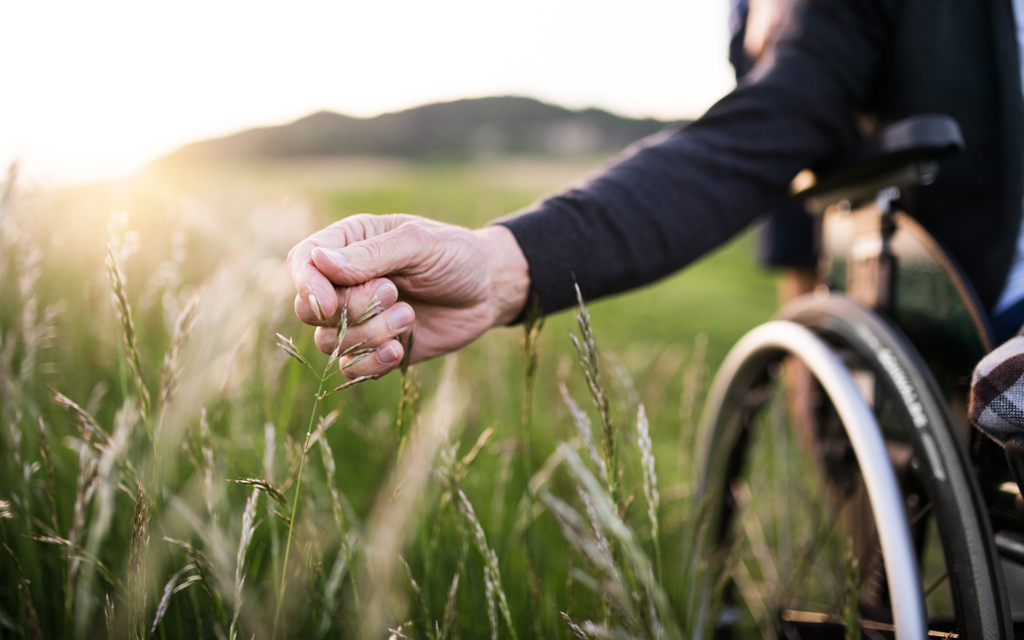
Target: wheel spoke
(797,502)
(805,526)
(759,546)
(752,596)
(804,562)
(922,512)
(936,583)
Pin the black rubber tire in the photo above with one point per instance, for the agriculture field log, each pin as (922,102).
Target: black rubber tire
(975,576)
(959,511)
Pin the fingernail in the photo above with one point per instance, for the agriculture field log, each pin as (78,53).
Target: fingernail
(400,318)
(387,355)
(387,294)
(315,304)
(334,256)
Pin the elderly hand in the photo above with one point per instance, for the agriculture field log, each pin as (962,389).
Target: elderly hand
(447,283)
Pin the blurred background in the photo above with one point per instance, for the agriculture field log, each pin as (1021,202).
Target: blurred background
(456,110)
(172,154)
(98,91)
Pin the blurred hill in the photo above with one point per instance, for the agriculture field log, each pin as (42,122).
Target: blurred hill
(463,129)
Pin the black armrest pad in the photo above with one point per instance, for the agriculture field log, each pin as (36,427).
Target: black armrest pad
(913,140)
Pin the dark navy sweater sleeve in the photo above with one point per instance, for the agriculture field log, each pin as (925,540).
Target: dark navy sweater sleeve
(677,195)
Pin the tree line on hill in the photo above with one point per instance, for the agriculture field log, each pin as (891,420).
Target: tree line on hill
(463,129)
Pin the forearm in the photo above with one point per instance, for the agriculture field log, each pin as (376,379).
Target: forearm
(651,214)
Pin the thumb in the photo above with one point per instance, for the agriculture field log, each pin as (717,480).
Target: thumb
(389,253)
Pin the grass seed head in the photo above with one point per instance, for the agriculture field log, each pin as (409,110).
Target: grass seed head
(131,343)
(351,383)
(373,309)
(338,501)
(51,482)
(582,422)
(108,615)
(449,610)
(249,525)
(171,374)
(340,337)
(359,356)
(138,547)
(169,590)
(88,428)
(354,348)
(649,474)
(611,584)
(264,485)
(289,347)
(586,349)
(425,621)
(492,572)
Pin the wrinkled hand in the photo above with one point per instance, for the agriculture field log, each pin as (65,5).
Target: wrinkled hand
(446,283)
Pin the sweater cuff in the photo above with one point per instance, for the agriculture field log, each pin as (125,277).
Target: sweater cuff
(556,256)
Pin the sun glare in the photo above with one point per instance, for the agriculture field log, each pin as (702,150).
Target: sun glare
(94,90)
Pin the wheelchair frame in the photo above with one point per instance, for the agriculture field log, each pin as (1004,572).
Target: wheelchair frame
(906,153)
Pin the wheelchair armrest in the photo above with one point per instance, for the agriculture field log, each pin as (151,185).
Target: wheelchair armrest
(905,152)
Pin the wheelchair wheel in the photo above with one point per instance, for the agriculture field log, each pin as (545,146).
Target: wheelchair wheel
(837,492)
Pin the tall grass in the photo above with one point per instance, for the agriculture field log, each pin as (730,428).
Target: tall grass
(146,410)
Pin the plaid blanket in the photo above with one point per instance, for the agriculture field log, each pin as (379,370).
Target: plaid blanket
(997,392)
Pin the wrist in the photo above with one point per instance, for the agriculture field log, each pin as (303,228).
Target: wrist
(508,273)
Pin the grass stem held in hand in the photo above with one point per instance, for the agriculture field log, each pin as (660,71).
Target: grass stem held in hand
(409,399)
(289,347)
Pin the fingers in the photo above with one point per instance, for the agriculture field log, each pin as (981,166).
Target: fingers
(369,348)
(406,247)
(309,281)
(370,297)
(382,361)
(316,300)
(371,333)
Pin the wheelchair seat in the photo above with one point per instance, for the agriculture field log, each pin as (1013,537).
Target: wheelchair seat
(885,260)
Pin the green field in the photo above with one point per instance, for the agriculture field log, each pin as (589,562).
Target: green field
(87,507)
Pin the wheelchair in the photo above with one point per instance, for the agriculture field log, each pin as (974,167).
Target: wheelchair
(844,493)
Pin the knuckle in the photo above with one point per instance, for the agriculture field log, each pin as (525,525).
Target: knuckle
(414,230)
(353,228)
(369,252)
(364,222)
(293,254)
(345,222)
(395,220)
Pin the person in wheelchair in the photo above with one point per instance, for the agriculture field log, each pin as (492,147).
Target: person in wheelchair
(842,71)
(845,71)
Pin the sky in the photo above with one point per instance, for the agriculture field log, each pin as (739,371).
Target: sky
(91,90)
